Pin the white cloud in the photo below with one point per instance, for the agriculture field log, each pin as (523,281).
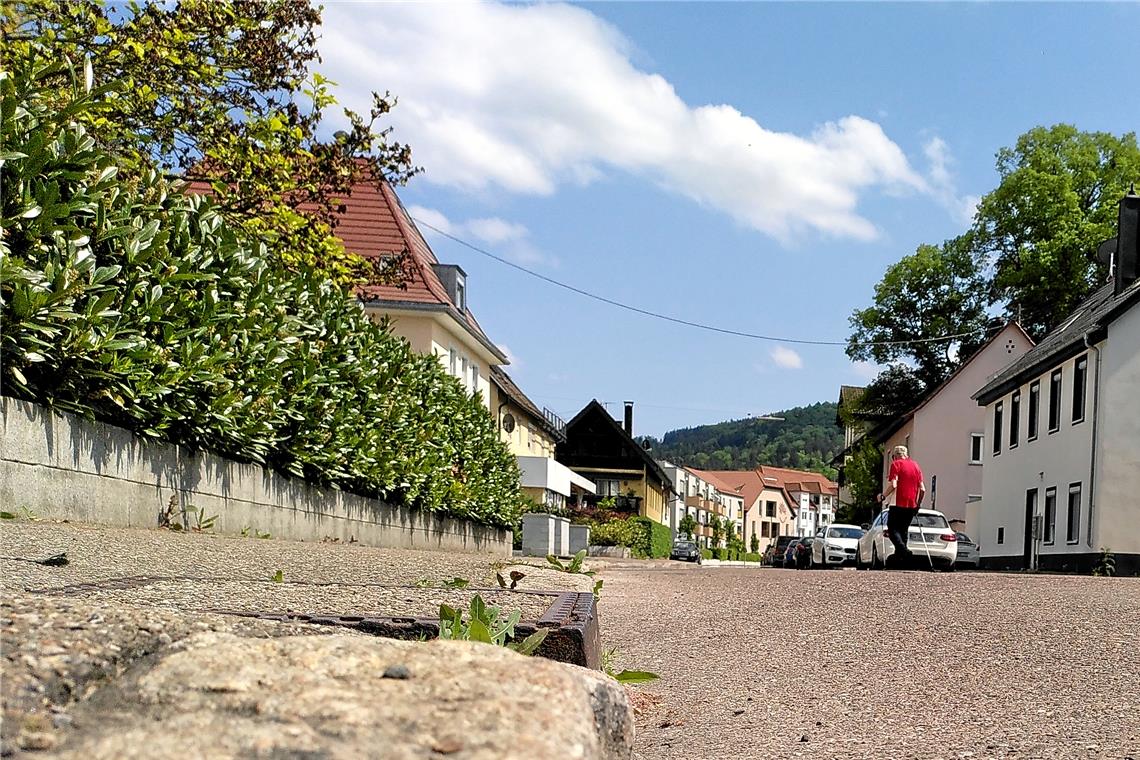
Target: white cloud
(525,97)
(508,239)
(496,230)
(942,184)
(786,358)
(513,360)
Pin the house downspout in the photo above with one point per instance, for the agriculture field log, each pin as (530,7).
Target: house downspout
(1092,458)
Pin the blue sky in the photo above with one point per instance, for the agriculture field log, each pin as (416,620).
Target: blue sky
(748,165)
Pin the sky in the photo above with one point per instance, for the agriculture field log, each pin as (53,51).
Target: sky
(750,166)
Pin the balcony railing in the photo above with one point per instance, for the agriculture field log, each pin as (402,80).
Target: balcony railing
(555,422)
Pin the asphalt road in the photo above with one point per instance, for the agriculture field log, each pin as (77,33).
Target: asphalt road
(767,663)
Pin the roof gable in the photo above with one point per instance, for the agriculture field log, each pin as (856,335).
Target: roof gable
(594,410)
(1067,339)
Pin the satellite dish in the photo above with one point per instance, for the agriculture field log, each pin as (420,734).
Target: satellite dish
(509,422)
(1106,251)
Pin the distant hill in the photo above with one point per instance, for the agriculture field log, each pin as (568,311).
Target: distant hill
(807,439)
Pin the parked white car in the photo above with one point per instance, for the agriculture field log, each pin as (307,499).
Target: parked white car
(930,536)
(835,544)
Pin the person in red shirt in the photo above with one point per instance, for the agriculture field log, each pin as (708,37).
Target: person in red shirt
(905,483)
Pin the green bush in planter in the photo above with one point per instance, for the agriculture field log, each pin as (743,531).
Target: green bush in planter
(706,553)
(657,540)
(752,557)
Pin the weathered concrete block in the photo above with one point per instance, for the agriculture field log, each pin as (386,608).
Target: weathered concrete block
(327,696)
(538,534)
(621,552)
(579,538)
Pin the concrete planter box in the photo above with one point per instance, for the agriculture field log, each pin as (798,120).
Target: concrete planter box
(579,538)
(619,552)
(545,534)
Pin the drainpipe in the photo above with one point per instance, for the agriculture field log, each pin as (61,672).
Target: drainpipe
(1092,459)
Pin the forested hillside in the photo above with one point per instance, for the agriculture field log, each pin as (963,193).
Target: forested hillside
(806,439)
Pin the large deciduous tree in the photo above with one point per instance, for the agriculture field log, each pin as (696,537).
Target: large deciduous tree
(1039,229)
(935,292)
(225,89)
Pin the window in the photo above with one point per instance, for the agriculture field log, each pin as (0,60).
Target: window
(1080,372)
(769,509)
(1073,532)
(460,294)
(453,362)
(1001,536)
(1054,401)
(997,428)
(976,445)
(608,487)
(1014,418)
(474,377)
(1050,515)
(1034,406)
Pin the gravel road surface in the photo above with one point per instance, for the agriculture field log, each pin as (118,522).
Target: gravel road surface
(768,663)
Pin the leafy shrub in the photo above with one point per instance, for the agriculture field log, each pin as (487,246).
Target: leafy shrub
(706,553)
(752,557)
(620,532)
(657,540)
(140,306)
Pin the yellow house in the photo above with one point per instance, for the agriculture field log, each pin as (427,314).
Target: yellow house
(429,307)
(531,435)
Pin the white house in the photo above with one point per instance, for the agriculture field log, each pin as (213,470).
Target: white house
(945,432)
(1062,460)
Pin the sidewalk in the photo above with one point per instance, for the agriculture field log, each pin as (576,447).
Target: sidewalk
(79,652)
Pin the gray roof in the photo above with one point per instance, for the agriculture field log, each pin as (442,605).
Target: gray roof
(1066,340)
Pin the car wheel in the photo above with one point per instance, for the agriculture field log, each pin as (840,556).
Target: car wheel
(859,561)
(876,564)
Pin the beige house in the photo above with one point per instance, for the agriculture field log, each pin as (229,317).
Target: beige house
(769,510)
(946,432)
(532,434)
(430,307)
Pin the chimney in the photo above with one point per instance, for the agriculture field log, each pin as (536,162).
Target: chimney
(629,417)
(1126,261)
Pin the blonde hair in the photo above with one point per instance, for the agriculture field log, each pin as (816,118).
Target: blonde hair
(900,451)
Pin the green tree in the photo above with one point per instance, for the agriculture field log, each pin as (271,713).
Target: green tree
(936,291)
(863,475)
(754,544)
(687,525)
(717,531)
(1040,228)
(222,89)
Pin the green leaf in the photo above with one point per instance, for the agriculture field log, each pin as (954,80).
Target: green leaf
(278,577)
(553,560)
(531,643)
(7,516)
(635,676)
(477,631)
(457,583)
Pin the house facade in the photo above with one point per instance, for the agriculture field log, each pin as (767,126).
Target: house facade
(430,307)
(769,510)
(532,435)
(945,433)
(690,495)
(1062,454)
(602,450)
(814,497)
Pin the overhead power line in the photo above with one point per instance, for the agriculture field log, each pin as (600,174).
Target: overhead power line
(686,322)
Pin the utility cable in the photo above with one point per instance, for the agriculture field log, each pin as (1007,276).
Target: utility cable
(688,323)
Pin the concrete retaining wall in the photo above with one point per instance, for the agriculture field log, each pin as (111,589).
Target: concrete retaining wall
(62,466)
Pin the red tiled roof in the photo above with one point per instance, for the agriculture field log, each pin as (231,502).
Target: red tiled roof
(375,225)
(799,480)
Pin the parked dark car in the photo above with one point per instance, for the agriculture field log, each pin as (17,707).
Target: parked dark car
(686,551)
(802,553)
(774,556)
(789,560)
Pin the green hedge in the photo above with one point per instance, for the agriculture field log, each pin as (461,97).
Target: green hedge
(140,306)
(752,557)
(658,539)
(617,533)
(706,553)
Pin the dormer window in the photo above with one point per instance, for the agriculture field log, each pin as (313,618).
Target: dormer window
(460,293)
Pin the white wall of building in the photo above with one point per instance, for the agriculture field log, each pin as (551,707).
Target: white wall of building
(1116,511)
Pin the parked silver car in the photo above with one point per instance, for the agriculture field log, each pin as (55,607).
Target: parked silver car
(967,552)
